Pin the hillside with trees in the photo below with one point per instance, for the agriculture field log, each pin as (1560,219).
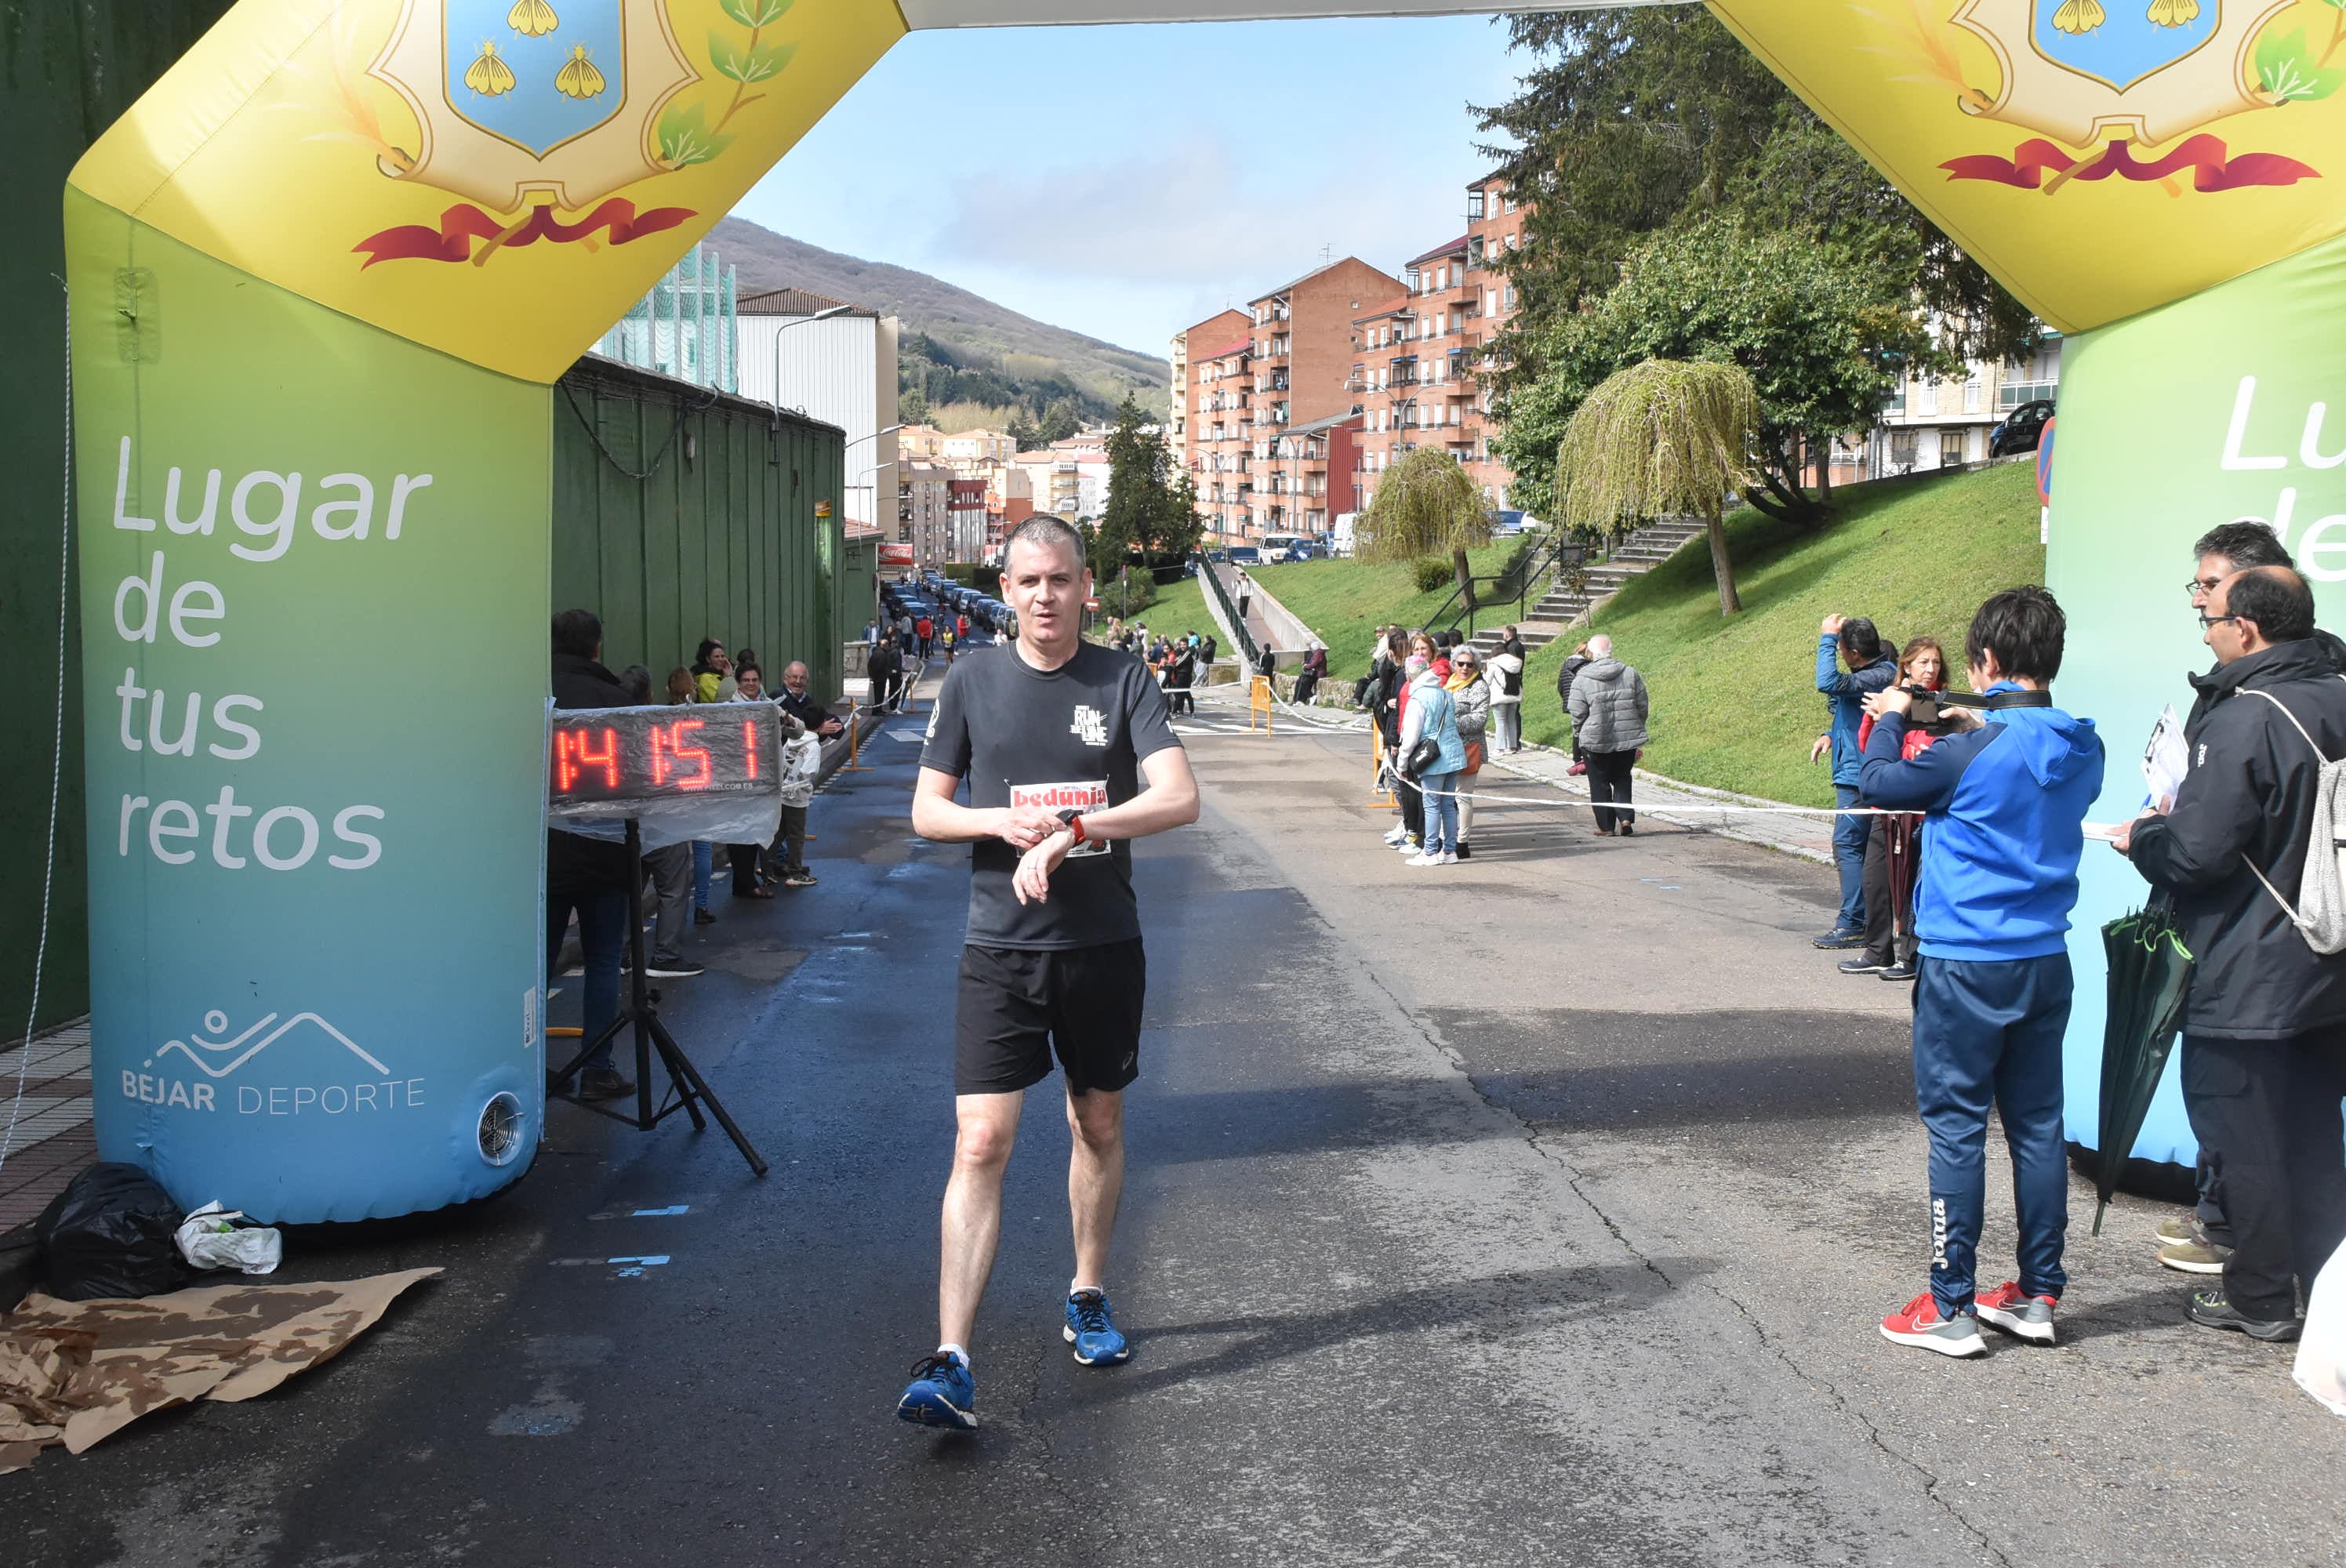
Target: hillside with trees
(962,360)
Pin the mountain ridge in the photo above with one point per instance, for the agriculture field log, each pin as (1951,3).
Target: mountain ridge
(1002,354)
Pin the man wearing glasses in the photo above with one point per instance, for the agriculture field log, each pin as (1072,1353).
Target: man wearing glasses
(2262,1070)
(2200,1244)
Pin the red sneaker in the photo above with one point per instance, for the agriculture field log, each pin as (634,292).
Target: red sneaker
(2018,1313)
(1919,1323)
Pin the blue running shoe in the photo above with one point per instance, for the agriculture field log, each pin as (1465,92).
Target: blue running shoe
(1093,1333)
(943,1394)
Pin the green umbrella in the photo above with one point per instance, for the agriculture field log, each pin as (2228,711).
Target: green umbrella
(2150,971)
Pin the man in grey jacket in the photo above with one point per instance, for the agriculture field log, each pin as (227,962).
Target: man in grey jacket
(1608,705)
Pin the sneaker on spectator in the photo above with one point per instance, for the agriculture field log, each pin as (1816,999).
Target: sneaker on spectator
(1899,971)
(2193,1257)
(1409,845)
(1447,857)
(1397,835)
(1423,858)
(940,1394)
(1862,965)
(1840,936)
(2017,1312)
(1919,1323)
(799,878)
(2211,1310)
(704,917)
(604,1082)
(670,967)
(2182,1227)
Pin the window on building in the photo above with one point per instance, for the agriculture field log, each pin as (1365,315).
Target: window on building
(1929,402)
(1475,205)
(1974,392)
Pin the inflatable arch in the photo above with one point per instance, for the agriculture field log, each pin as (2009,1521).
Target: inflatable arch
(325,273)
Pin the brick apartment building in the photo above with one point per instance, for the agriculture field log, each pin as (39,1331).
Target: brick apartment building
(1360,365)
(1421,356)
(1287,363)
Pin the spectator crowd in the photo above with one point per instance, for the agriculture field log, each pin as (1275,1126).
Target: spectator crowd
(587,877)
(1959,830)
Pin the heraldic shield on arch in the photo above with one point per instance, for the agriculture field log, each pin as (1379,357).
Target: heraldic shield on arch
(2110,77)
(530,108)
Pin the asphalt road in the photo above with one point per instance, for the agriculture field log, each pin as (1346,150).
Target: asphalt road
(1538,1210)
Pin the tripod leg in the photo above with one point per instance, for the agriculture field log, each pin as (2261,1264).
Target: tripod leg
(681,1066)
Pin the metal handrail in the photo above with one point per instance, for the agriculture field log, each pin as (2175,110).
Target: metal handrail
(1230,612)
(1560,550)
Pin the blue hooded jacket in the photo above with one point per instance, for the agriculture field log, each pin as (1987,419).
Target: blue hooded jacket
(2007,807)
(1845,693)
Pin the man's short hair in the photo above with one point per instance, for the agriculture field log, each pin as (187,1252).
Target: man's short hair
(2024,629)
(2244,542)
(1600,645)
(578,633)
(637,682)
(1861,641)
(1051,532)
(2276,598)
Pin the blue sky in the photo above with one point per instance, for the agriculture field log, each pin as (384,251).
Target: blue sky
(1128,181)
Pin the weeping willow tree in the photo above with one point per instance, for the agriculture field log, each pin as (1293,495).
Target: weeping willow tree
(1426,505)
(1662,438)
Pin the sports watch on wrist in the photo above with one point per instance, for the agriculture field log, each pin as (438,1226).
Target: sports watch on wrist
(1072,820)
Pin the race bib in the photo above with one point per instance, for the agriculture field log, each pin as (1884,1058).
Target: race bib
(1087,796)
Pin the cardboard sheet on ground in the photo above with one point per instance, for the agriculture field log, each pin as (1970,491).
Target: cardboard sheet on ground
(75,1372)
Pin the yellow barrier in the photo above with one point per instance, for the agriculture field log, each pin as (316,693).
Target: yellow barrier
(1260,702)
(1379,795)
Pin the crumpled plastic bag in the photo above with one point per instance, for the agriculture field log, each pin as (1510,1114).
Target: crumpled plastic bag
(210,1238)
(108,1235)
(2322,1347)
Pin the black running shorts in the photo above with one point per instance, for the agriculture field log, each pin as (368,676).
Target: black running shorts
(1018,1004)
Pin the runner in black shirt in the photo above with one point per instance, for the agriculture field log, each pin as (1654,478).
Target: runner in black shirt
(1067,754)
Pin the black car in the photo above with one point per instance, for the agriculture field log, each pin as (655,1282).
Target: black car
(2020,430)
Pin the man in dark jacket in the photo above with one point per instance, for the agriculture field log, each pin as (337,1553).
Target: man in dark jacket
(1574,662)
(588,875)
(2264,1025)
(1871,669)
(793,700)
(2006,806)
(2200,1245)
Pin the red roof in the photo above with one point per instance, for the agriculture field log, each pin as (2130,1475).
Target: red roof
(1455,247)
(1244,346)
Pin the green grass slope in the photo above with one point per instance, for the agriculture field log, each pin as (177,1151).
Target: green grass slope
(1735,704)
(1345,601)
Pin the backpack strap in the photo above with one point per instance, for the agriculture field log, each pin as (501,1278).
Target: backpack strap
(2294,917)
(2293,718)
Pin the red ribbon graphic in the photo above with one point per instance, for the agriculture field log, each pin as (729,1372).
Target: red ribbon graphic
(2212,165)
(464,223)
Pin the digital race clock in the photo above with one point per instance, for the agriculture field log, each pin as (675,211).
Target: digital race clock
(601,758)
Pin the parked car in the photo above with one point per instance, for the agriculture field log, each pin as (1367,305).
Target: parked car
(2020,430)
(1244,555)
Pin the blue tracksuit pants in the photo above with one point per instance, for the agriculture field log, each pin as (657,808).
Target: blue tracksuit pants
(1990,1034)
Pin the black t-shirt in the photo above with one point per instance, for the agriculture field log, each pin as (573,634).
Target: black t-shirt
(1069,738)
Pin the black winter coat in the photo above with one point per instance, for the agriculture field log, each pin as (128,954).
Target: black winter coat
(1573,665)
(574,864)
(2250,796)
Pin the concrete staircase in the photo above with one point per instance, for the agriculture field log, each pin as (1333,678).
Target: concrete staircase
(1635,555)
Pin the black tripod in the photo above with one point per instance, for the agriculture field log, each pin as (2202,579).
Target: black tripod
(687,1089)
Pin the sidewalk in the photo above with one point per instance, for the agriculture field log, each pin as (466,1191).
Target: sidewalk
(53,1139)
(1770,824)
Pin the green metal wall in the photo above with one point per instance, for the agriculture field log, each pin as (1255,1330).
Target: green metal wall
(67,69)
(680,514)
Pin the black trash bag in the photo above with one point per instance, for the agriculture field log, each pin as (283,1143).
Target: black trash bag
(109,1234)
